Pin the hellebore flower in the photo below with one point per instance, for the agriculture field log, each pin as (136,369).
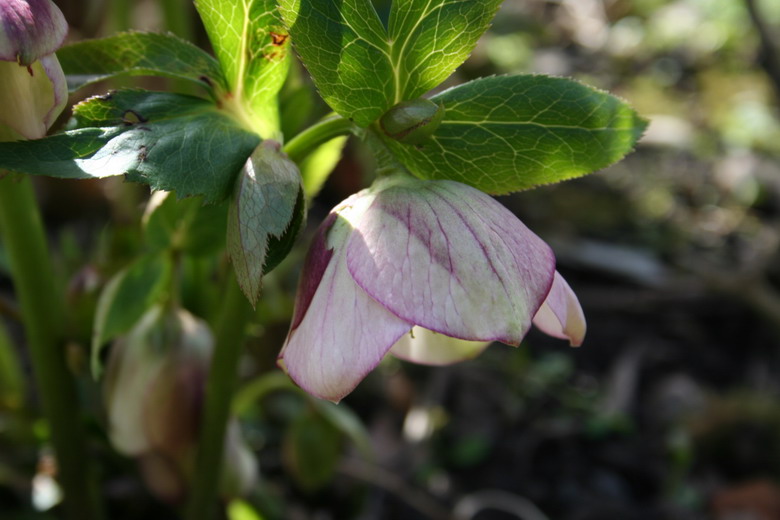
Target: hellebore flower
(33,90)
(407,255)
(154,394)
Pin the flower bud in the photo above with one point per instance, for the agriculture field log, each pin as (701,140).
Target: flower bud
(412,122)
(33,90)
(30,30)
(154,395)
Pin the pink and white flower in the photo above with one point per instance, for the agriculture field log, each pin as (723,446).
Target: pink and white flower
(411,254)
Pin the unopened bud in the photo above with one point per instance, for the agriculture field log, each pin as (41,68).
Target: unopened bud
(33,90)
(412,122)
(30,30)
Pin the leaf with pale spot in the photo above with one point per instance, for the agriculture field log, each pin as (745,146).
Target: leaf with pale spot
(139,53)
(263,206)
(171,142)
(252,46)
(509,133)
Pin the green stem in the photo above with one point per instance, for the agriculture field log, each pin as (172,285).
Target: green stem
(220,388)
(42,315)
(319,133)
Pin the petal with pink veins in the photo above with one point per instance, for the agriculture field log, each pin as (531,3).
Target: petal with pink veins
(449,258)
(338,334)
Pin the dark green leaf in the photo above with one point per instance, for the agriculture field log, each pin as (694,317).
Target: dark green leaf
(262,207)
(509,133)
(252,46)
(124,300)
(311,450)
(347,422)
(171,142)
(344,46)
(139,53)
(185,224)
(431,38)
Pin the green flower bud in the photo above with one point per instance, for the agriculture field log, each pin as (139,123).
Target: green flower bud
(412,122)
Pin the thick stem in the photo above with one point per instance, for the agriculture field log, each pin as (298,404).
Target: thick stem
(220,388)
(319,133)
(42,313)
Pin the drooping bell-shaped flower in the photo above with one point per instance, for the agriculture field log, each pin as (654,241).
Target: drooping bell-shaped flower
(33,90)
(154,396)
(407,258)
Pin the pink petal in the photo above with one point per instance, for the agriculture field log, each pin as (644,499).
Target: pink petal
(561,316)
(59,84)
(30,29)
(431,348)
(339,334)
(447,257)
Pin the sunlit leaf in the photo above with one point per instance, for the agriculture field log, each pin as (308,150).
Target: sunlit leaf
(508,133)
(431,38)
(252,46)
(344,46)
(262,207)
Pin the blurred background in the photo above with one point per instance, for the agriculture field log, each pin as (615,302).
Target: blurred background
(669,410)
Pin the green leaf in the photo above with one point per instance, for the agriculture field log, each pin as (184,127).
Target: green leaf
(185,224)
(240,510)
(509,133)
(171,142)
(344,46)
(280,247)
(252,46)
(125,298)
(263,206)
(311,450)
(318,165)
(139,53)
(431,38)
(348,423)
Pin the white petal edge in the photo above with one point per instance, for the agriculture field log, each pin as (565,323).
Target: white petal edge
(561,316)
(449,258)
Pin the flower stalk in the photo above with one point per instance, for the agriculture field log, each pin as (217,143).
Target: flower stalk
(220,387)
(319,133)
(22,232)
